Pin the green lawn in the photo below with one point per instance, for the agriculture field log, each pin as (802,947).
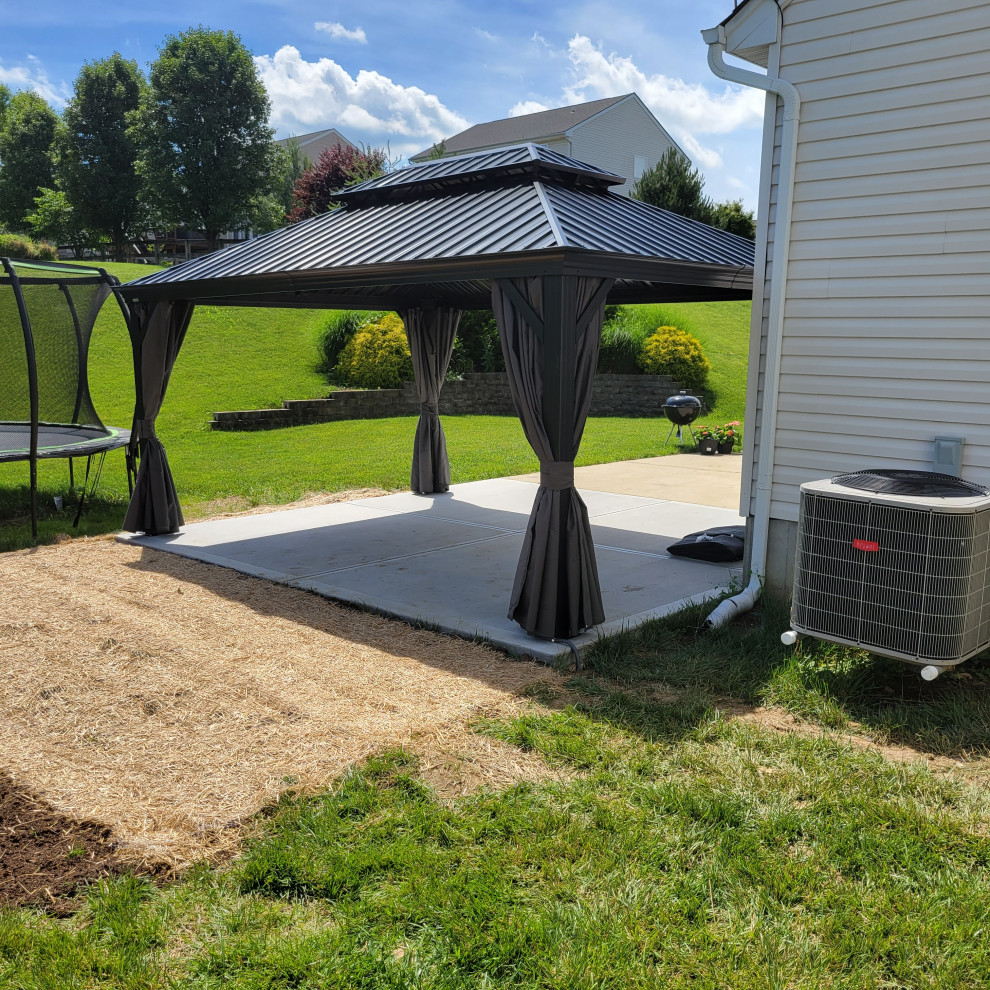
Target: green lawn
(723,329)
(719,814)
(676,847)
(252,358)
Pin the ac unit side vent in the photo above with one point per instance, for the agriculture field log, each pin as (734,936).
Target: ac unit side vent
(909,581)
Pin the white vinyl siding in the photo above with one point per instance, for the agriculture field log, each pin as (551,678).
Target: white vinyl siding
(887,313)
(561,145)
(615,137)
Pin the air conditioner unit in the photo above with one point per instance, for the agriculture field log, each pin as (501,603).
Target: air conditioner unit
(895,562)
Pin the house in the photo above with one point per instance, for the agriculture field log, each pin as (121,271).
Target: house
(619,135)
(316,141)
(873,255)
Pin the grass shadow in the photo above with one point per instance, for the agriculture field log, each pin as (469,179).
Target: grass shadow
(823,683)
(102,513)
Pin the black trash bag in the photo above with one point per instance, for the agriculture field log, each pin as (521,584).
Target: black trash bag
(718,545)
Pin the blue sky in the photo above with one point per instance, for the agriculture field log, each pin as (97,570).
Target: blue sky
(412,73)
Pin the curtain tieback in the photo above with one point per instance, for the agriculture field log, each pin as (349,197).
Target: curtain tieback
(144,429)
(430,408)
(557,475)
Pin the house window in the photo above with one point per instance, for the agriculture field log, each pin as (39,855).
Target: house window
(639,166)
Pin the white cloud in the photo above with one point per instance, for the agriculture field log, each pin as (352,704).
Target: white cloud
(33,76)
(368,107)
(336,30)
(486,35)
(684,109)
(699,154)
(527,106)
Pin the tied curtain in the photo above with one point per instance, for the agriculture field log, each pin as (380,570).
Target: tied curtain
(157,331)
(550,329)
(431,335)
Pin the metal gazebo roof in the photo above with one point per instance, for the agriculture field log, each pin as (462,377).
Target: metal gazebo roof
(443,229)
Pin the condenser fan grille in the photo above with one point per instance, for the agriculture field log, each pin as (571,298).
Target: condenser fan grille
(921,484)
(903,581)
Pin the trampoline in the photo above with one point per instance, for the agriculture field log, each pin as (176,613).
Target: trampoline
(47,313)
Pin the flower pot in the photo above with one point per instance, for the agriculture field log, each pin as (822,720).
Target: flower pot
(725,447)
(708,446)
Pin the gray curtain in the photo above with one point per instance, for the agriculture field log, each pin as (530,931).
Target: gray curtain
(157,331)
(550,329)
(431,335)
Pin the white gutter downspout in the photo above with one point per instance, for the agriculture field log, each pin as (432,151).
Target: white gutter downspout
(715,39)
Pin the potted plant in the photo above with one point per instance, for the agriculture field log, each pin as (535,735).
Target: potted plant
(729,435)
(707,440)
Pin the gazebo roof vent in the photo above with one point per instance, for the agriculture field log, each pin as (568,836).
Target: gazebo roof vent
(492,169)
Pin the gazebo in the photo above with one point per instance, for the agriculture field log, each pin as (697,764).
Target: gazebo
(534,235)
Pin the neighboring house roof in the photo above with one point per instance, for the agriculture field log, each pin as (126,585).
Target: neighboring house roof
(316,141)
(530,127)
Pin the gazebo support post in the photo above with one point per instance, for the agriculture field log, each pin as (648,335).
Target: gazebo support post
(431,331)
(157,330)
(558,368)
(553,324)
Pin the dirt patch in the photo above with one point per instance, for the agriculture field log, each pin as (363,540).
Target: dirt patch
(171,700)
(45,856)
(455,761)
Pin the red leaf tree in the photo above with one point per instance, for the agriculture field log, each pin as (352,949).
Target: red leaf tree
(336,168)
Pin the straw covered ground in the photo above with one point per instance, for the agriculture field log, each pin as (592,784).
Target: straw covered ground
(171,700)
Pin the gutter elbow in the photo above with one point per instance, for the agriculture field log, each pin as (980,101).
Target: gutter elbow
(715,39)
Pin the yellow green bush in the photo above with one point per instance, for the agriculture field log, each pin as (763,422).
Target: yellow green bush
(377,356)
(675,352)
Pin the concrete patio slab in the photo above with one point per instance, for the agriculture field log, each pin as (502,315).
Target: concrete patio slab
(449,560)
(684,478)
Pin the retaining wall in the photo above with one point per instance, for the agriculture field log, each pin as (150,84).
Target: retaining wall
(474,395)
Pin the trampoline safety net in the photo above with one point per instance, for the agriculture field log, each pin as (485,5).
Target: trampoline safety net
(61,308)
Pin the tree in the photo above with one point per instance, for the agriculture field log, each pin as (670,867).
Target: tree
(270,211)
(5,95)
(733,217)
(26,140)
(335,168)
(437,151)
(673,184)
(97,154)
(54,219)
(205,148)
(291,163)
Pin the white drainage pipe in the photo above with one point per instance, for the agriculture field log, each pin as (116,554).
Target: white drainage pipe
(715,38)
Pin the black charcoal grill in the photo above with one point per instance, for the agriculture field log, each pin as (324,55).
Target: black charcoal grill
(682,410)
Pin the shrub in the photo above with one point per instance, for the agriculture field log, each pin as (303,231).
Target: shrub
(332,337)
(618,353)
(377,356)
(19,246)
(674,352)
(479,343)
(460,363)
